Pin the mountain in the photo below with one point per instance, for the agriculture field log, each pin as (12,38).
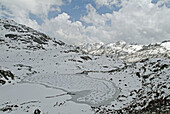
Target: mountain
(40,74)
(128,52)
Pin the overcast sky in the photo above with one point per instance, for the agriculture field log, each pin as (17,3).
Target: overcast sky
(82,21)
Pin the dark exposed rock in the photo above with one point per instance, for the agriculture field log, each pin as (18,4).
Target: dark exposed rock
(8,108)
(39,41)
(59,43)
(85,72)
(15,105)
(164,66)
(2,40)
(157,106)
(105,67)
(145,76)
(11,35)
(2,82)
(68,51)
(86,58)
(7,75)
(114,70)
(37,111)
(73,60)
(143,60)
(138,74)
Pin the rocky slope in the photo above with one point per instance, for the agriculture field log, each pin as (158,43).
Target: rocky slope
(39,73)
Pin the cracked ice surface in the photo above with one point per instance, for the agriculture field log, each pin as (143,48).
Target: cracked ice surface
(84,89)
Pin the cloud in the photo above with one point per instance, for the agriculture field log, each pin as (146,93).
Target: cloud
(93,16)
(20,10)
(139,21)
(64,29)
(33,6)
(107,3)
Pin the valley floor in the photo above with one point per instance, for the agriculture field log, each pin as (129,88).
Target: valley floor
(62,80)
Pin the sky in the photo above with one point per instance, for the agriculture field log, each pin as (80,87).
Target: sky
(93,21)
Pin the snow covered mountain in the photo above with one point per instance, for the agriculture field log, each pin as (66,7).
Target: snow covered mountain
(40,74)
(128,52)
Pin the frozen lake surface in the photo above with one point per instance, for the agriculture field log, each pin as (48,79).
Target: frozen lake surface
(82,88)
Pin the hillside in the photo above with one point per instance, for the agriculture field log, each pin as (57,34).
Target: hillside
(39,73)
